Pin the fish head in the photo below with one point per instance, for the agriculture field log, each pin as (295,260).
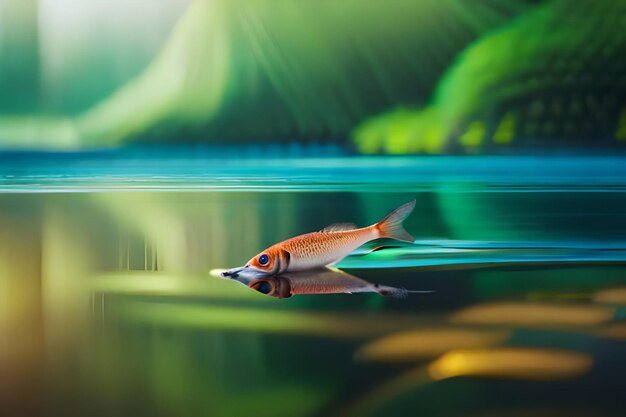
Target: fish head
(274,286)
(244,274)
(271,261)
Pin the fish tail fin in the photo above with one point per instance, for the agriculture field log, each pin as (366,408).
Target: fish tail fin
(392,292)
(391,226)
(397,292)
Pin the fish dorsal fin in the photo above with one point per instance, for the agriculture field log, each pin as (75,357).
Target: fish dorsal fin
(338,227)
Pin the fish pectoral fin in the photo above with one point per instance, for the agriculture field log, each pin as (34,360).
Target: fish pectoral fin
(338,227)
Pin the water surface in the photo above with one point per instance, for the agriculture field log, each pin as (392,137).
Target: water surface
(107,307)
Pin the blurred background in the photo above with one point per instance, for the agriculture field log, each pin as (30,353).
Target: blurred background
(145,143)
(406,77)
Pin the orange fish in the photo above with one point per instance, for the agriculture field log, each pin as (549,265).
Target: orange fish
(318,249)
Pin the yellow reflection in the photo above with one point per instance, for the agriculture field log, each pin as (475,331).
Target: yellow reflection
(516,363)
(611,296)
(175,285)
(616,331)
(264,320)
(509,363)
(534,314)
(21,324)
(426,343)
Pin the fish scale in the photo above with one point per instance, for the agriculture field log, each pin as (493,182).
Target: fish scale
(323,248)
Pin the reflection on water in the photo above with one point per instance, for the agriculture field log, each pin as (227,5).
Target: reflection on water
(419,344)
(522,314)
(540,364)
(107,307)
(504,363)
(326,280)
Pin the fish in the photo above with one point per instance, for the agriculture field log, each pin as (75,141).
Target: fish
(319,281)
(324,247)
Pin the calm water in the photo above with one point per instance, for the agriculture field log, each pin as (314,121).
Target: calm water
(107,307)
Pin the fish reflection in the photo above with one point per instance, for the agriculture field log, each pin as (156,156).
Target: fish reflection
(318,281)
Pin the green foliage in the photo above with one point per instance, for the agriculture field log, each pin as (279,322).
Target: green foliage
(553,73)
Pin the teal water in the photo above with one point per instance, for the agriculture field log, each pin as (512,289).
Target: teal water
(108,307)
(313,169)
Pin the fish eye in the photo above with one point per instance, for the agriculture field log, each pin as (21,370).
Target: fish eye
(264,260)
(264,287)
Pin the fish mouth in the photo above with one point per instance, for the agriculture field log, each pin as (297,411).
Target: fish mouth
(244,274)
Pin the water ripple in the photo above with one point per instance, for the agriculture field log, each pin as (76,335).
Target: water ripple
(463,254)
